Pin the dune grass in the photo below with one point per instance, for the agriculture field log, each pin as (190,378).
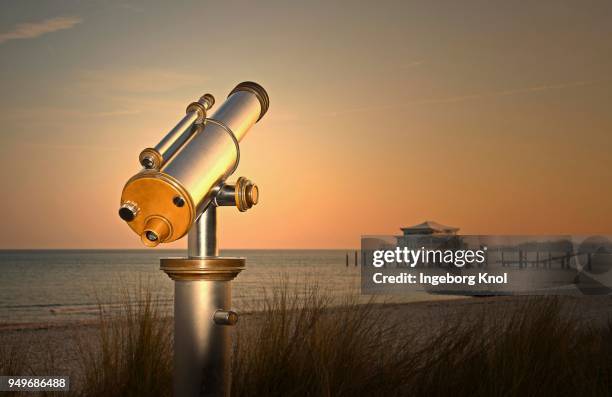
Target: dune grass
(534,350)
(12,359)
(132,353)
(302,345)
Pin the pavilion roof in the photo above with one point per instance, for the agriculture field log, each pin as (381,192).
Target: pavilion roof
(430,227)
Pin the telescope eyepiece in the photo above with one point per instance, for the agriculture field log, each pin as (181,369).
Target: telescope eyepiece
(128,211)
(259,92)
(151,236)
(157,230)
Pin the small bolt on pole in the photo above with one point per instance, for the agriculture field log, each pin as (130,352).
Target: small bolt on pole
(178,192)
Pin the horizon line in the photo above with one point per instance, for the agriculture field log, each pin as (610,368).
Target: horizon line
(176,249)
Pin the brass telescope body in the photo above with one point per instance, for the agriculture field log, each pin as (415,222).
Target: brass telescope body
(194,159)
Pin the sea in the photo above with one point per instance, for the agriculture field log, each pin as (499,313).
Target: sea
(58,286)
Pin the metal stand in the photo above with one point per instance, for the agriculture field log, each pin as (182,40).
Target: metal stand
(202,303)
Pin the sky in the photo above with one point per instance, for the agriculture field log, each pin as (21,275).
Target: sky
(492,116)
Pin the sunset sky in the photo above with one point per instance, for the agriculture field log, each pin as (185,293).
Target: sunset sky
(495,117)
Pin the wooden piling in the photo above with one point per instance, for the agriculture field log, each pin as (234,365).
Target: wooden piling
(549,259)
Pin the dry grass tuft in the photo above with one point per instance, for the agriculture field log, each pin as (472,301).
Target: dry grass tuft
(12,359)
(302,346)
(132,355)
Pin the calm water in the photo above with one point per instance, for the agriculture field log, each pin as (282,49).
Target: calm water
(67,285)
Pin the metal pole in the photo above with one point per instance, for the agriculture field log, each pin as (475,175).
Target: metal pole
(202,303)
(202,348)
(202,238)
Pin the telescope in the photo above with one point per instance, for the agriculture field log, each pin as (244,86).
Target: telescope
(182,182)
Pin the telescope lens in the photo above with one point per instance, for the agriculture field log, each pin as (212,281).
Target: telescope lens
(151,236)
(259,92)
(156,231)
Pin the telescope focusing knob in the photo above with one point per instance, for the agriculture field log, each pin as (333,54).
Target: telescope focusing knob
(244,194)
(247,194)
(252,194)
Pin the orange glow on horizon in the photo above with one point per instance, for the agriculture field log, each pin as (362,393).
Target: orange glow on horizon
(442,120)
